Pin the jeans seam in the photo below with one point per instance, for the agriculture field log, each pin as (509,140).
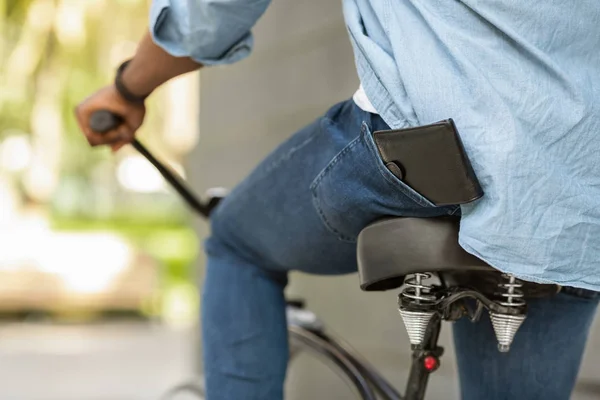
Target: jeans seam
(290,153)
(315,198)
(332,163)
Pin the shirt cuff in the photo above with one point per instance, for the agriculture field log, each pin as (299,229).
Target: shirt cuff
(170,30)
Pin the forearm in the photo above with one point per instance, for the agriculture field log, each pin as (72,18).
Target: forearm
(152,66)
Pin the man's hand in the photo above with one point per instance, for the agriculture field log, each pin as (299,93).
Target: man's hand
(150,67)
(109,99)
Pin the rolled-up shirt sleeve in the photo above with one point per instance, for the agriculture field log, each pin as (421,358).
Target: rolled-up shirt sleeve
(210,32)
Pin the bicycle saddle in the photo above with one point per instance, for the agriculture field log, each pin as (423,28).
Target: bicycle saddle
(390,249)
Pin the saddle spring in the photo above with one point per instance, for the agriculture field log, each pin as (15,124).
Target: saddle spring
(417,291)
(512,292)
(506,326)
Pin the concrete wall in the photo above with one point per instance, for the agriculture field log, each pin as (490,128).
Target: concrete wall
(302,64)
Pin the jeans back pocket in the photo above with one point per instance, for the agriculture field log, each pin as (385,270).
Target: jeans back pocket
(356,188)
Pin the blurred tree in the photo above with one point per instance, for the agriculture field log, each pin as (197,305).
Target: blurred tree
(54,53)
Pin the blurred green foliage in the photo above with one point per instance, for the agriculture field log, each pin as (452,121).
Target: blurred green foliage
(54,53)
(62,51)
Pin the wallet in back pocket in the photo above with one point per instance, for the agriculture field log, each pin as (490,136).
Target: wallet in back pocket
(432,161)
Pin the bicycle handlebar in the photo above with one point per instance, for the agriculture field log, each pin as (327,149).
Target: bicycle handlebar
(104,121)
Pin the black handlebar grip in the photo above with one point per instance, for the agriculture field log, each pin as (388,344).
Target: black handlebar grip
(103,121)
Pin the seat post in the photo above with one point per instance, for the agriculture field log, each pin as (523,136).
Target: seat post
(425,360)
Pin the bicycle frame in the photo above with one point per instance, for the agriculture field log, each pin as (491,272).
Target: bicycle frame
(368,383)
(366,380)
(309,333)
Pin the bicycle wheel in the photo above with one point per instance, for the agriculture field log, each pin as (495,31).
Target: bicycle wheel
(303,341)
(193,390)
(317,344)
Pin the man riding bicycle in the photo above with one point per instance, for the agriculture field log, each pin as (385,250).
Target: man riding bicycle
(521,82)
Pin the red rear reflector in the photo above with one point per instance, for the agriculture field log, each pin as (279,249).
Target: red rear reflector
(431,363)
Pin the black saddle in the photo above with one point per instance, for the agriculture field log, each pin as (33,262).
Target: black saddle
(390,249)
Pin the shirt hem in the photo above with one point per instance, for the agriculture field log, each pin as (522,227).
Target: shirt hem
(463,241)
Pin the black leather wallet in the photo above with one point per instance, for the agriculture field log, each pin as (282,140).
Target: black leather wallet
(432,161)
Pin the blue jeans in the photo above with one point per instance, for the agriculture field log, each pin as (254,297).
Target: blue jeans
(302,209)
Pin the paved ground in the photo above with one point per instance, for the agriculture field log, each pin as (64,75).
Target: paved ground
(138,361)
(125,361)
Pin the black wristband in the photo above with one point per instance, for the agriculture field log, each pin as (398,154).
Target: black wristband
(122,89)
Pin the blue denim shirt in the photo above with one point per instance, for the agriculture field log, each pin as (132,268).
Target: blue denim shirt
(520,78)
